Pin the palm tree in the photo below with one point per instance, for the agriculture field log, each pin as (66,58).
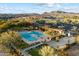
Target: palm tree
(46,51)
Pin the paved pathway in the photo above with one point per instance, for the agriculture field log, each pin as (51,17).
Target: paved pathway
(25,53)
(32,47)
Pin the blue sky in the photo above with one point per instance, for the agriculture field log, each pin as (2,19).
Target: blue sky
(38,7)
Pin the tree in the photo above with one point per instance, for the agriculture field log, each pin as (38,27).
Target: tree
(41,21)
(8,37)
(46,51)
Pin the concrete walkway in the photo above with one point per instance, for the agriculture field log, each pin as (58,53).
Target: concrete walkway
(32,47)
(25,53)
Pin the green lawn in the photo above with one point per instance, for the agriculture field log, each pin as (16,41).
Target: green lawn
(20,44)
(34,52)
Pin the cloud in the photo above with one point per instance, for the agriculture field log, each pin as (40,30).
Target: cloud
(45,7)
(71,9)
(5,8)
(50,5)
(53,5)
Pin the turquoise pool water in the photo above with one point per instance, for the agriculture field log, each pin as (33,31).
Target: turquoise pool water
(31,36)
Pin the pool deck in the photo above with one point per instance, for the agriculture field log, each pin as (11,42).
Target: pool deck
(39,37)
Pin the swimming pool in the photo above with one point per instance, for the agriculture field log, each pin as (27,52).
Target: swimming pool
(31,36)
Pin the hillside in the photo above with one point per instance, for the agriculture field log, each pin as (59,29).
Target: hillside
(67,17)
